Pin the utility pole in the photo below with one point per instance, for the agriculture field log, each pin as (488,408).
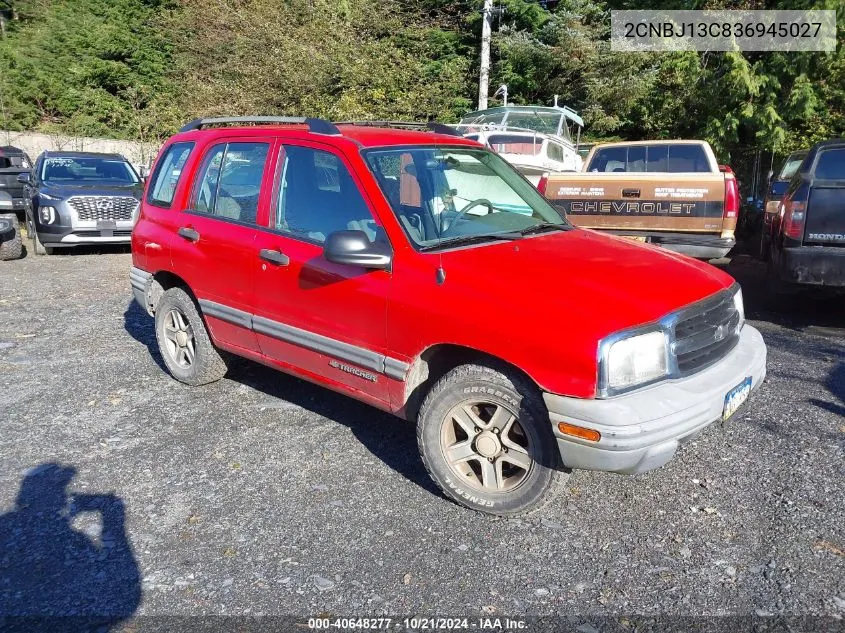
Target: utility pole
(484,71)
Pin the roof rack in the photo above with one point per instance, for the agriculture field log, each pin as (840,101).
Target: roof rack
(439,128)
(318,126)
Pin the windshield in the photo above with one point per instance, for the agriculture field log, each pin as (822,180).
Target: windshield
(444,194)
(791,165)
(59,169)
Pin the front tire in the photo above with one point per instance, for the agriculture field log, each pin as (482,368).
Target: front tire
(183,340)
(485,439)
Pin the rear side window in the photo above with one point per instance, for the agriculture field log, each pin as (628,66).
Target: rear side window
(659,157)
(229,181)
(830,164)
(167,172)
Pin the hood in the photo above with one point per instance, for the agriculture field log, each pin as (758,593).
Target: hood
(66,190)
(606,283)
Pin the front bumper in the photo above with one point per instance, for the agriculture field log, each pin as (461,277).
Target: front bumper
(642,430)
(813,265)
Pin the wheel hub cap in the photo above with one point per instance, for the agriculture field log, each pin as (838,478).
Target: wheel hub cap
(181,339)
(487,445)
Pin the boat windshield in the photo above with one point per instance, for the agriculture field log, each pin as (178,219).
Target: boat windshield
(544,122)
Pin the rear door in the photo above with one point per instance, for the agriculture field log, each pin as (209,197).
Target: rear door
(654,187)
(825,224)
(215,247)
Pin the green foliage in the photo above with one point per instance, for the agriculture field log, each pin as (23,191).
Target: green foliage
(137,68)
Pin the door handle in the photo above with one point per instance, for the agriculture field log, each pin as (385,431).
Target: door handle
(630,193)
(189,234)
(274,257)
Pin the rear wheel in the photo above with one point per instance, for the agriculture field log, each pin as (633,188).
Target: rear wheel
(11,248)
(183,340)
(486,440)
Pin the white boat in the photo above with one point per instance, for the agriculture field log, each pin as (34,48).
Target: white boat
(534,139)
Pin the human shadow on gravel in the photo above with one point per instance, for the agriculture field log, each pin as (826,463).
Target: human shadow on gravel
(141,327)
(387,437)
(54,577)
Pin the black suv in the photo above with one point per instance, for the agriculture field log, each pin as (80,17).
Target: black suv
(75,198)
(13,162)
(808,232)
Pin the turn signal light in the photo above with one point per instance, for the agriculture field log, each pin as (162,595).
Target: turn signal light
(579,431)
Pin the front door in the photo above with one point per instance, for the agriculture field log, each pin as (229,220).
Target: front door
(216,236)
(326,320)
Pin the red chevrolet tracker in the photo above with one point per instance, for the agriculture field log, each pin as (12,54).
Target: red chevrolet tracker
(418,272)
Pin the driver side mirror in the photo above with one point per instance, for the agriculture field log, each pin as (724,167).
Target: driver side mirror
(355,248)
(25,177)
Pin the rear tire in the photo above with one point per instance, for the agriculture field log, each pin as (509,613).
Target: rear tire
(183,340)
(485,439)
(11,248)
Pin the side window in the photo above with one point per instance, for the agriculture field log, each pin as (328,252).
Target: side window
(229,181)
(166,176)
(317,196)
(831,164)
(555,152)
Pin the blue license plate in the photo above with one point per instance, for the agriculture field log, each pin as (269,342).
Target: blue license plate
(736,397)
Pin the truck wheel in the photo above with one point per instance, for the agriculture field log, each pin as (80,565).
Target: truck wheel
(183,341)
(486,440)
(11,248)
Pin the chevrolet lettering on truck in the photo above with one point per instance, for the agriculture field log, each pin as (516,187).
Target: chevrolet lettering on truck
(670,193)
(410,269)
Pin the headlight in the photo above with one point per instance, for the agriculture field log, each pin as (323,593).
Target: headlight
(635,360)
(48,214)
(740,308)
(46,196)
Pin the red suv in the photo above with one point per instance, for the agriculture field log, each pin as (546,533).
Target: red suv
(418,272)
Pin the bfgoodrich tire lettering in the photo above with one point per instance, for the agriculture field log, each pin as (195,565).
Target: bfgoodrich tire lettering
(485,439)
(183,340)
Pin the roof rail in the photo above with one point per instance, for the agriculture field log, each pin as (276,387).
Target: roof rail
(438,128)
(318,126)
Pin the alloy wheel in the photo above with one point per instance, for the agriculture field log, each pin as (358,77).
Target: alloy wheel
(179,342)
(485,446)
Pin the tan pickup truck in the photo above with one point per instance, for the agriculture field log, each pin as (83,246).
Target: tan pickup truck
(670,193)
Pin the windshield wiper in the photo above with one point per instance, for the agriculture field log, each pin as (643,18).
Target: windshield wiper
(471,239)
(542,227)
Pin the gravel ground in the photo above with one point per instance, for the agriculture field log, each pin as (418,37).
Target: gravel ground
(263,494)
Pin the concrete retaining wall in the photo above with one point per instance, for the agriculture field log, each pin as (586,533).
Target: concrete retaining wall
(33,143)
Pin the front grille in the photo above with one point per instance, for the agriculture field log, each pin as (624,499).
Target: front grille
(705,334)
(115,208)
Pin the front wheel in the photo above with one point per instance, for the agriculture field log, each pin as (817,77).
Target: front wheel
(486,440)
(183,341)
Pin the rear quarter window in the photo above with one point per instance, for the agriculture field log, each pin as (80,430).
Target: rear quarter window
(167,173)
(830,164)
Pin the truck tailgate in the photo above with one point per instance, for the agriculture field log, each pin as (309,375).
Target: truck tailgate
(640,201)
(825,224)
